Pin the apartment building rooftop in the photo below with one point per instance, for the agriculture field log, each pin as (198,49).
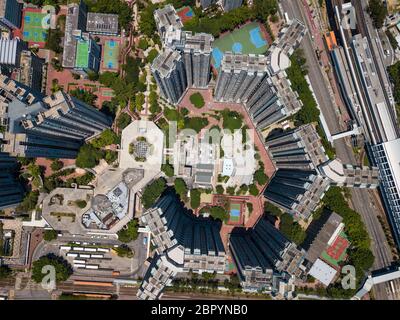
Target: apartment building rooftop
(251,63)
(102,23)
(348,175)
(199,42)
(187,242)
(71,24)
(166,17)
(300,148)
(165,62)
(290,36)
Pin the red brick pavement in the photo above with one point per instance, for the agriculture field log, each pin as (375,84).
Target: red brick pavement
(44,162)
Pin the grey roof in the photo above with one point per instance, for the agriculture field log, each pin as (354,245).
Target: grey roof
(9,51)
(205,166)
(165,62)
(204,177)
(244,62)
(71,24)
(319,233)
(102,22)
(166,17)
(199,42)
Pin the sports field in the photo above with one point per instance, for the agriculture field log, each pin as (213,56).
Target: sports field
(336,253)
(234,213)
(248,39)
(110,55)
(33,30)
(82,52)
(185,13)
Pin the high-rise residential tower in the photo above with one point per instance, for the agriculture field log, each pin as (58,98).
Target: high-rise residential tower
(229,5)
(183,242)
(169,72)
(196,50)
(11,192)
(239,76)
(10,14)
(167,19)
(263,253)
(52,127)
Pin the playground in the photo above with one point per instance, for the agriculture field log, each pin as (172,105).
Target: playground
(110,55)
(250,38)
(336,253)
(32,26)
(185,13)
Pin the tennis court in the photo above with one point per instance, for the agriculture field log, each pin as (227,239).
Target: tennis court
(336,253)
(185,13)
(110,55)
(33,30)
(234,213)
(250,38)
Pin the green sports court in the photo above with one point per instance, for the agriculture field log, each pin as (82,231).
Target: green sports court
(234,213)
(110,55)
(248,39)
(82,54)
(33,30)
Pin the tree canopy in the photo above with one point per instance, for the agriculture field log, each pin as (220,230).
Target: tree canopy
(378,11)
(219,213)
(5,271)
(197,100)
(195,195)
(180,187)
(50,235)
(152,192)
(88,156)
(85,96)
(309,112)
(106,138)
(123,121)
(62,267)
(129,232)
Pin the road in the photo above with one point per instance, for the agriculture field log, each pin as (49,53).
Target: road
(318,79)
(361,199)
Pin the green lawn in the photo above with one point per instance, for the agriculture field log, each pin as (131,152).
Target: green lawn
(197,100)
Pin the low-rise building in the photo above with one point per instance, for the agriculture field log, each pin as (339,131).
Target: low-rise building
(102,23)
